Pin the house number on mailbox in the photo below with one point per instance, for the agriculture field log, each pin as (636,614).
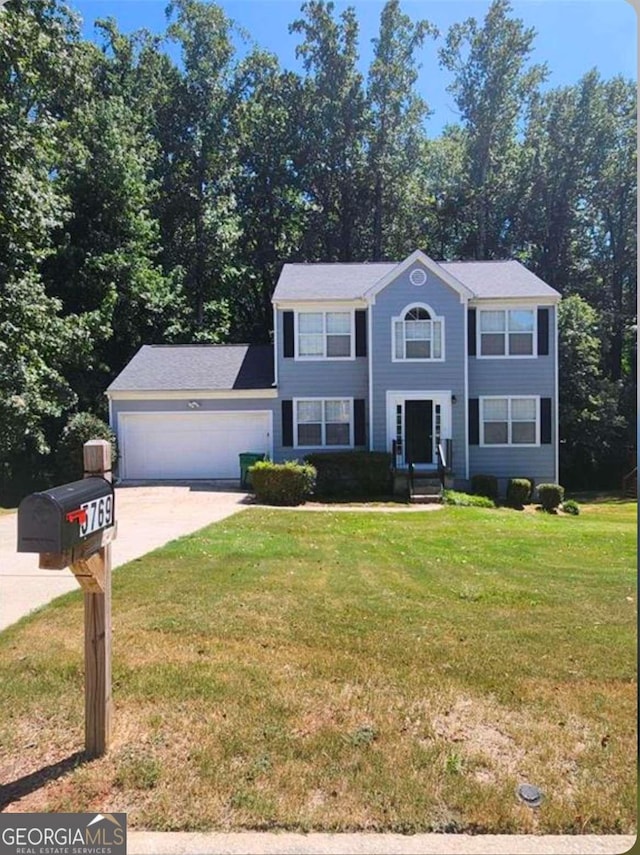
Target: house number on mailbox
(97,514)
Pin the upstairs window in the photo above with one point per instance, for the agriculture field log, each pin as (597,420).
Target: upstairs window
(325,335)
(507,332)
(417,335)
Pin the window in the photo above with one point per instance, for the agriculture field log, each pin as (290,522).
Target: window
(509,421)
(417,335)
(324,422)
(324,335)
(507,332)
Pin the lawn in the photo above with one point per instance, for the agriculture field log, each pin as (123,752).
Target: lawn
(340,671)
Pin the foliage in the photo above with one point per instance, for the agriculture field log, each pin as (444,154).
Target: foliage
(485,485)
(591,427)
(289,483)
(351,473)
(466,500)
(80,429)
(550,496)
(571,507)
(518,492)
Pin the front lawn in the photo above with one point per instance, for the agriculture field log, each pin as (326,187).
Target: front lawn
(340,671)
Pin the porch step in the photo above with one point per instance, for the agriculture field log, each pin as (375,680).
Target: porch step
(426,490)
(426,482)
(426,498)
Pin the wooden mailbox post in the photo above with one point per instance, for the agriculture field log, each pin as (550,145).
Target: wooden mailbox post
(73,526)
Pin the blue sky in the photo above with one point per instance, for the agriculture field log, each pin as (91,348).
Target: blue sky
(573,35)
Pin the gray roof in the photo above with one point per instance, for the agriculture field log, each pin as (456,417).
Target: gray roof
(329,281)
(191,367)
(351,281)
(498,279)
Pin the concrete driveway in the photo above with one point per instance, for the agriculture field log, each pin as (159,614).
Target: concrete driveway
(148,517)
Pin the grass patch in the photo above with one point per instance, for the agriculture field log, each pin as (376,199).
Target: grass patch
(341,671)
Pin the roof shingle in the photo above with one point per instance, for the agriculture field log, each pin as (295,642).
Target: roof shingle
(160,368)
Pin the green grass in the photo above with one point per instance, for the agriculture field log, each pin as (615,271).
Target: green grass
(337,671)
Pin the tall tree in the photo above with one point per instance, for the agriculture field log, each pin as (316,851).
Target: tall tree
(38,41)
(396,133)
(591,426)
(271,204)
(492,83)
(333,160)
(199,221)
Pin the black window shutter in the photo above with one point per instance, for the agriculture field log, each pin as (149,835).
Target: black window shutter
(471,331)
(287,424)
(543,332)
(287,328)
(474,421)
(545,421)
(359,425)
(361,332)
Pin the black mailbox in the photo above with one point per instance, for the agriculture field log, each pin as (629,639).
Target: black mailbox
(59,519)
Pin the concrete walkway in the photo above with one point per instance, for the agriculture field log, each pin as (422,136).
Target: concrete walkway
(148,517)
(273,843)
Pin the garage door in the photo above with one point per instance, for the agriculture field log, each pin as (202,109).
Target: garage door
(190,445)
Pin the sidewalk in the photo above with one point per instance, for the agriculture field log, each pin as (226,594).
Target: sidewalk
(287,843)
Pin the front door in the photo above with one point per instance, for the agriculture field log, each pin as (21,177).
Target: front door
(418,420)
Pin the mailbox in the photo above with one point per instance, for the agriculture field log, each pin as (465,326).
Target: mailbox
(59,519)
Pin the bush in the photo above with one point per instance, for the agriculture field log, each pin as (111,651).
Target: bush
(287,483)
(466,500)
(550,496)
(518,492)
(352,473)
(485,485)
(80,429)
(571,507)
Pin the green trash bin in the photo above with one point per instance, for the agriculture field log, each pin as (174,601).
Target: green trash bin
(247,459)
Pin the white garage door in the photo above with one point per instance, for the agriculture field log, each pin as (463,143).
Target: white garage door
(190,445)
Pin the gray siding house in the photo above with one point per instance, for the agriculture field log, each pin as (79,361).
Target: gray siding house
(394,356)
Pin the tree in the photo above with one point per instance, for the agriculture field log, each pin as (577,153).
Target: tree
(38,43)
(197,211)
(590,424)
(268,189)
(396,131)
(332,160)
(105,264)
(492,83)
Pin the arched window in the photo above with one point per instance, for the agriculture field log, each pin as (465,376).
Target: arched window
(418,335)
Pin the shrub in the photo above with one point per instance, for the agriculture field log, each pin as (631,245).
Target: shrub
(352,473)
(80,429)
(571,507)
(485,485)
(287,483)
(550,496)
(518,492)
(466,500)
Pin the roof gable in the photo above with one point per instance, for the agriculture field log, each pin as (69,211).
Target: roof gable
(422,258)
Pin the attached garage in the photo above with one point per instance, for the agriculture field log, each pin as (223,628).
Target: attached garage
(188,412)
(190,445)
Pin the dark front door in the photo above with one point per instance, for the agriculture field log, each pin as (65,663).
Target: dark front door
(418,421)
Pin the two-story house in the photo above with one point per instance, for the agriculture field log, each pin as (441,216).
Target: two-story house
(397,357)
